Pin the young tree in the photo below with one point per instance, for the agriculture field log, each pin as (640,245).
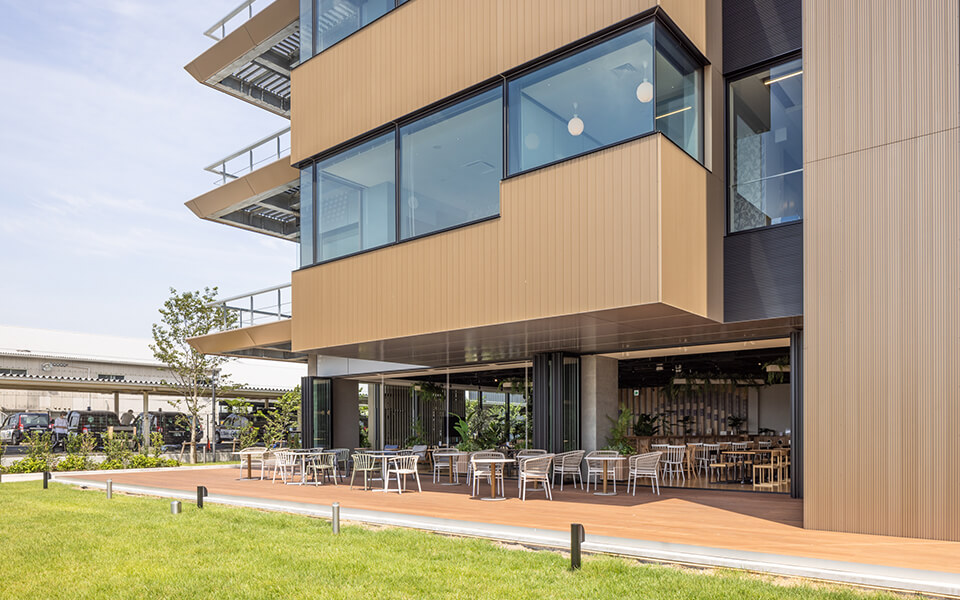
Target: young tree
(281,417)
(185,315)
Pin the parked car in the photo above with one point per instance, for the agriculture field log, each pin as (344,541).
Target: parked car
(19,425)
(95,422)
(173,426)
(231,425)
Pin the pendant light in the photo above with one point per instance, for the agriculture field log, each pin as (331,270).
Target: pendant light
(575,125)
(645,89)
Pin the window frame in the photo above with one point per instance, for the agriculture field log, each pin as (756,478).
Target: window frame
(728,79)
(314,6)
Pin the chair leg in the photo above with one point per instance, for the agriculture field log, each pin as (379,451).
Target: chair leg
(419,489)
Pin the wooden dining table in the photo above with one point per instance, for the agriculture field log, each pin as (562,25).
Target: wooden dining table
(744,454)
(495,465)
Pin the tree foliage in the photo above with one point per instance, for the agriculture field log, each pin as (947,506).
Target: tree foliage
(282,416)
(186,315)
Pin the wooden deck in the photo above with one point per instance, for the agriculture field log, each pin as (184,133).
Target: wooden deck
(735,520)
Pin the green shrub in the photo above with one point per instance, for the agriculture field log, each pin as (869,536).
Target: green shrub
(117,448)
(141,461)
(169,462)
(28,465)
(108,465)
(73,462)
(156,443)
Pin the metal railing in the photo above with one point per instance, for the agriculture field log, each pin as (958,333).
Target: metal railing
(256,308)
(244,11)
(270,148)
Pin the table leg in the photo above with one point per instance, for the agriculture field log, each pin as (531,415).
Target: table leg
(604,477)
(451,470)
(249,467)
(493,481)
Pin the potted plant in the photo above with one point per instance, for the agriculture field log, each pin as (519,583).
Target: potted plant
(618,440)
(735,423)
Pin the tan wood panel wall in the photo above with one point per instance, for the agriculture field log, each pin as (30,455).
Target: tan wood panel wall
(430,49)
(881,268)
(708,411)
(579,236)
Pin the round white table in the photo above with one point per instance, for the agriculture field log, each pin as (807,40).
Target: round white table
(606,467)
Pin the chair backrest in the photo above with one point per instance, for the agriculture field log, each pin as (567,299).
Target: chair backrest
(537,466)
(419,450)
(675,453)
(573,458)
(659,447)
(739,445)
(391,447)
(486,454)
(528,453)
(343,454)
(363,462)
(407,462)
(764,444)
(645,463)
(326,459)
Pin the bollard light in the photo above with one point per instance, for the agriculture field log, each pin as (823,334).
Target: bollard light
(175,507)
(109,489)
(46,478)
(201,492)
(336,517)
(577,536)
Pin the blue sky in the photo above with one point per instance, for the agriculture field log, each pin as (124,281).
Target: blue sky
(103,137)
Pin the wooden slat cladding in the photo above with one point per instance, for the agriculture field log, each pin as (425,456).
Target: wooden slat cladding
(580,236)
(430,49)
(881,273)
(708,411)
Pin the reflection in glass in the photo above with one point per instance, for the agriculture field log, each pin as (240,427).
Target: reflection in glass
(336,19)
(451,166)
(306,216)
(356,199)
(766,147)
(306,29)
(592,99)
(678,95)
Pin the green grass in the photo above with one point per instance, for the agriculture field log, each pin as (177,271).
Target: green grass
(67,543)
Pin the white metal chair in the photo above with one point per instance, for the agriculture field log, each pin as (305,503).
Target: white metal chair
(469,462)
(644,466)
(536,469)
(420,450)
(286,464)
(342,462)
(482,471)
(673,462)
(706,456)
(522,454)
(595,468)
(442,463)
(363,463)
(401,467)
(568,464)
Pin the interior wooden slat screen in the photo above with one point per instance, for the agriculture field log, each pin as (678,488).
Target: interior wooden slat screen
(708,410)
(403,407)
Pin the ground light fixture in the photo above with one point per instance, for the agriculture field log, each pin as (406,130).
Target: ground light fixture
(575,125)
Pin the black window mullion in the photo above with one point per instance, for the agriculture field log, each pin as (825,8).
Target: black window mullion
(396,183)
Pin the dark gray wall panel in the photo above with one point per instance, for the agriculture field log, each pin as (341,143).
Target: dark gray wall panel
(755,31)
(763,273)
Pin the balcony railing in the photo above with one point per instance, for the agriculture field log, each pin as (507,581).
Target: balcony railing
(271,148)
(233,19)
(256,308)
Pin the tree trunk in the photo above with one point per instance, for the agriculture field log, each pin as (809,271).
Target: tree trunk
(193,439)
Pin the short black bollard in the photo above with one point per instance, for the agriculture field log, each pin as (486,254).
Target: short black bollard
(201,492)
(577,536)
(46,478)
(109,489)
(336,518)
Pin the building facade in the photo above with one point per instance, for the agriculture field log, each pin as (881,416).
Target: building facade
(734,215)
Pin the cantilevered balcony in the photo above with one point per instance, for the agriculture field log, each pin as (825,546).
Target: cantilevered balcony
(253,54)
(256,189)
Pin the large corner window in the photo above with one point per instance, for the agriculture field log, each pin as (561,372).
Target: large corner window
(766,147)
(632,84)
(451,165)
(356,199)
(306,216)
(323,23)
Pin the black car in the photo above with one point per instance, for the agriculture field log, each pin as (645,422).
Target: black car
(173,426)
(19,425)
(231,425)
(96,422)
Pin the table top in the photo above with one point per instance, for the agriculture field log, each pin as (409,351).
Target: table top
(739,452)
(442,453)
(608,458)
(490,461)
(247,451)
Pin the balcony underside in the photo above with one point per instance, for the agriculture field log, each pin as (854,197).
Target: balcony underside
(265,201)
(254,61)
(269,341)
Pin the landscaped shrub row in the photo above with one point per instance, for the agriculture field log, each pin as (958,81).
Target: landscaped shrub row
(79,447)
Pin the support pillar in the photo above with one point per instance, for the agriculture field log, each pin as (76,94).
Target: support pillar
(116,403)
(346,413)
(146,420)
(599,383)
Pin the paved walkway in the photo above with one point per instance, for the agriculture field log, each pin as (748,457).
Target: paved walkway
(757,532)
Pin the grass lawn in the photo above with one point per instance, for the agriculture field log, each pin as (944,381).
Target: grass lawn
(68,543)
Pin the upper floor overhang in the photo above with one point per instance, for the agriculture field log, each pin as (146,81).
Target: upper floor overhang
(254,61)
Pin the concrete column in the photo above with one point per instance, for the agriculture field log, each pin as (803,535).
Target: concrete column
(753,410)
(346,413)
(598,400)
(146,420)
(116,403)
(312,365)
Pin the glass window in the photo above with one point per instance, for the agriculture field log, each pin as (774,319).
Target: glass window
(766,147)
(336,19)
(678,95)
(356,199)
(306,29)
(592,99)
(306,216)
(451,166)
